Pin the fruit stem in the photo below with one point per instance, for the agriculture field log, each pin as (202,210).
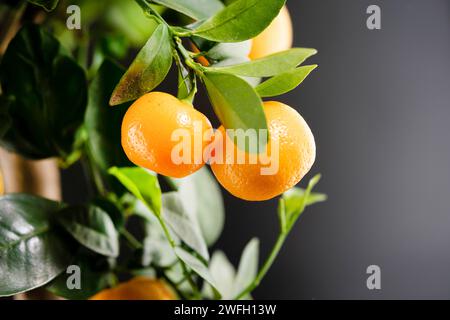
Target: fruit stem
(190,98)
(197,67)
(265,268)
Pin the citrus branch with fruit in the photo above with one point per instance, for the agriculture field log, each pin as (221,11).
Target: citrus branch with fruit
(154,208)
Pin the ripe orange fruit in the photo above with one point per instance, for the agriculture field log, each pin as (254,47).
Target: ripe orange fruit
(278,36)
(150,135)
(296,155)
(138,288)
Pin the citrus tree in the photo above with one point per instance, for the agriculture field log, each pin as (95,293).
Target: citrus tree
(65,95)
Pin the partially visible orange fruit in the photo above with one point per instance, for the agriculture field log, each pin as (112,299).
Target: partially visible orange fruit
(296,155)
(278,36)
(138,288)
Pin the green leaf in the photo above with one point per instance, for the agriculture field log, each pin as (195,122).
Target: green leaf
(222,51)
(32,251)
(122,17)
(196,265)
(295,201)
(156,249)
(248,266)
(174,214)
(270,65)
(197,9)
(148,69)
(93,278)
(252,81)
(91,227)
(284,82)
(110,207)
(223,273)
(235,102)
(46,105)
(48,5)
(186,81)
(202,198)
(157,252)
(103,123)
(294,197)
(241,20)
(142,184)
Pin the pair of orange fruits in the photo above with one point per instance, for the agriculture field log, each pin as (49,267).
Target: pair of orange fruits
(149,124)
(146,138)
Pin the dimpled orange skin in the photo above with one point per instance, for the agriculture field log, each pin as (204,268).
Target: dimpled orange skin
(278,36)
(147,129)
(297,152)
(138,288)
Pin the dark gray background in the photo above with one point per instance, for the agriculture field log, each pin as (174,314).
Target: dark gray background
(379,106)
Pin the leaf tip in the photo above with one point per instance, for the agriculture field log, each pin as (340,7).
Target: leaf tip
(314,180)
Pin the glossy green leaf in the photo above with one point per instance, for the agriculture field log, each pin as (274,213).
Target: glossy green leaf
(223,273)
(158,252)
(284,82)
(252,81)
(48,5)
(142,184)
(91,227)
(295,201)
(248,266)
(186,228)
(93,278)
(270,65)
(241,20)
(202,198)
(32,251)
(224,50)
(156,249)
(148,69)
(103,123)
(235,102)
(46,105)
(111,208)
(122,17)
(197,9)
(186,81)
(196,265)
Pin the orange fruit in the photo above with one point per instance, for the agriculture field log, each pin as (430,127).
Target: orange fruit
(291,148)
(278,36)
(151,135)
(138,288)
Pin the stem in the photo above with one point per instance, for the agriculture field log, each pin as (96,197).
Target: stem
(190,81)
(174,286)
(266,266)
(148,9)
(134,243)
